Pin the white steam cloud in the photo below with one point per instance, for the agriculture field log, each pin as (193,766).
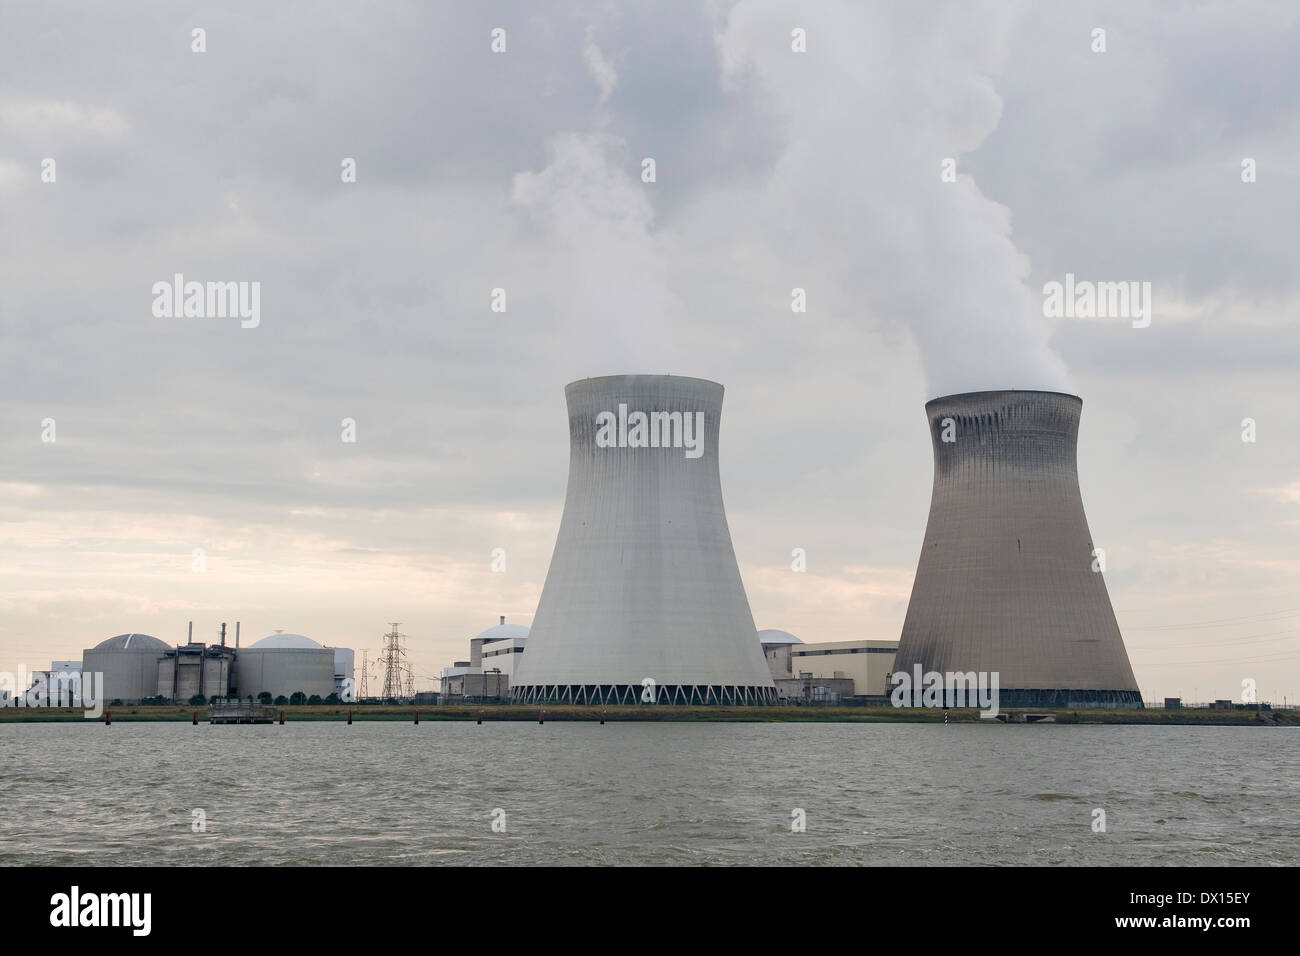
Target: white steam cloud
(599,265)
(601,70)
(884,93)
(851,205)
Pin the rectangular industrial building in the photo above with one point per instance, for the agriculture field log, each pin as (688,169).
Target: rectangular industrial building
(867,663)
(464,682)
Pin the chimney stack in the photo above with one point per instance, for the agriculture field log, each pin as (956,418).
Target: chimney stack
(503,618)
(236,635)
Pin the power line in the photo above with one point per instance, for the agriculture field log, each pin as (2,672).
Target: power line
(1261,618)
(1244,639)
(1275,658)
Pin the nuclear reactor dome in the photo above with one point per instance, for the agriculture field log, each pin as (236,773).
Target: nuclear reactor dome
(273,641)
(132,642)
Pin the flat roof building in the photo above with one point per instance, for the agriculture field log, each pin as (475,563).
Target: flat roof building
(867,663)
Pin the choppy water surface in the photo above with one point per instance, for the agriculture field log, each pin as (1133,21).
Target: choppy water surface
(643,793)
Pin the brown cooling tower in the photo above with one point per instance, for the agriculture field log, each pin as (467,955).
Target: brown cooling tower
(1005,582)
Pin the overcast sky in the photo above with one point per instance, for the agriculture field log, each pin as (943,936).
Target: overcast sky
(522,170)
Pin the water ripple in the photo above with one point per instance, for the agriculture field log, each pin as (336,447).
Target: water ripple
(656,794)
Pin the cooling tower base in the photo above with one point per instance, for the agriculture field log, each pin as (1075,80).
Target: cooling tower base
(704,695)
(1056,699)
(1071,699)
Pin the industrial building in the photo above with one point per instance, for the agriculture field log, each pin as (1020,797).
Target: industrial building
(63,682)
(129,665)
(345,683)
(282,665)
(196,670)
(830,671)
(1008,581)
(778,647)
(494,654)
(138,667)
(499,648)
(463,682)
(867,663)
(643,595)
(807,689)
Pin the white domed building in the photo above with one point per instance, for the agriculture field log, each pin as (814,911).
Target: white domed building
(499,647)
(281,641)
(494,655)
(777,648)
(344,657)
(285,664)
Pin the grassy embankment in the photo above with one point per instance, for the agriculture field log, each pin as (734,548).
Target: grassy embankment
(335,712)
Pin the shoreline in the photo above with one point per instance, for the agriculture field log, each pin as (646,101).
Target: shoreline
(568,712)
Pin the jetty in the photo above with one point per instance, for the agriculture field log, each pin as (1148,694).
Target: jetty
(240,712)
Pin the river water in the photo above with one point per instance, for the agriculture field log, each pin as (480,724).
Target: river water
(647,793)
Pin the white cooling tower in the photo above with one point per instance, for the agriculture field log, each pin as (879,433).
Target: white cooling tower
(643,601)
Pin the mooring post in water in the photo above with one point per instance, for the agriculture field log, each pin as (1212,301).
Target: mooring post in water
(349,718)
(417,716)
(480,717)
(945,715)
(281,717)
(602,717)
(541,716)
(196,718)
(108,719)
